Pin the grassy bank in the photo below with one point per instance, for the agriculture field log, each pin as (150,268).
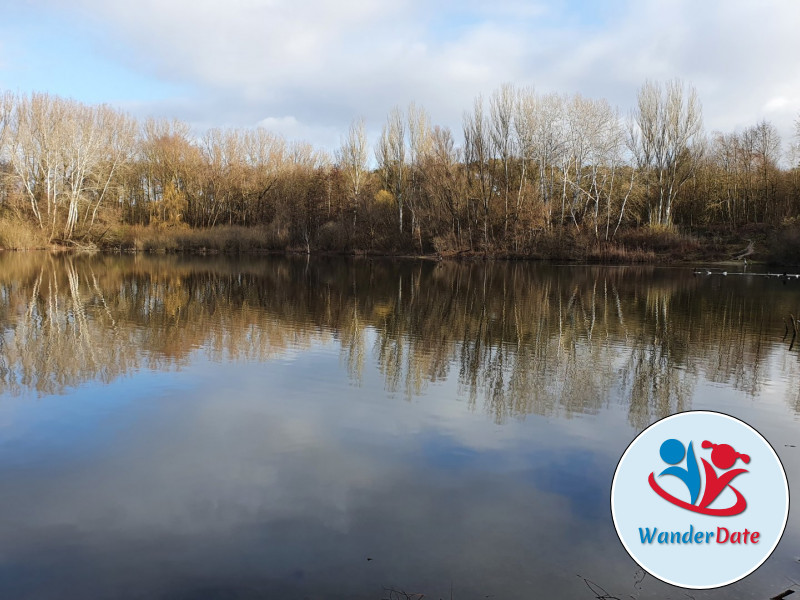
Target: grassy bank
(224,239)
(779,246)
(21,235)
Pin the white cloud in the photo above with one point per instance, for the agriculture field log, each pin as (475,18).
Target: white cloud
(292,129)
(324,63)
(777,104)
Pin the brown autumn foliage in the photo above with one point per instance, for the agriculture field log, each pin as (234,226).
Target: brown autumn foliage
(533,176)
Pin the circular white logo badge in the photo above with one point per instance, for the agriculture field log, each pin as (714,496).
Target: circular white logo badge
(700,499)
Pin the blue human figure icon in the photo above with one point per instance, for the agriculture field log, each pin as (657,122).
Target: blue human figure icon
(672,453)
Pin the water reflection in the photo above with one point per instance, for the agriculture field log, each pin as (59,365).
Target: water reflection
(521,338)
(213,428)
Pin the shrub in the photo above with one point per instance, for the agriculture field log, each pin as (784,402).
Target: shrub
(332,237)
(20,235)
(784,247)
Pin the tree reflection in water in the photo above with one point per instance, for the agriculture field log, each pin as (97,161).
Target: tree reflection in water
(521,338)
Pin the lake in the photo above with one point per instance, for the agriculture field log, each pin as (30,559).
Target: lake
(263,427)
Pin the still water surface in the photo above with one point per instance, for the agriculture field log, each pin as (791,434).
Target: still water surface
(291,428)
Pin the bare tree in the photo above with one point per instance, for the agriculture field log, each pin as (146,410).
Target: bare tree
(524,131)
(477,156)
(726,150)
(549,145)
(766,153)
(443,182)
(502,106)
(664,138)
(223,152)
(265,157)
(419,148)
(81,153)
(117,144)
(6,107)
(794,147)
(606,139)
(173,165)
(35,131)
(578,115)
(797,129)
(352,158)
(391,157)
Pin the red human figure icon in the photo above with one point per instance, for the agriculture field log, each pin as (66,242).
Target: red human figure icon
(724,457)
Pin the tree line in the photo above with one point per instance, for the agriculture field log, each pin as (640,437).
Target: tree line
(526,167)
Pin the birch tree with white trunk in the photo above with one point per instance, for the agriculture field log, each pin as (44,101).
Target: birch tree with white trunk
(117,146)
(352,157)
(549,146)
(80,154)
(665,138)
(35,135)
(502,105)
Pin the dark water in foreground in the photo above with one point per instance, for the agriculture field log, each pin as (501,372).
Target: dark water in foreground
(273,428)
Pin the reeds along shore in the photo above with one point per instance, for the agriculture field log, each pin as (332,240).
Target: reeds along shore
(643,245)
(528,175)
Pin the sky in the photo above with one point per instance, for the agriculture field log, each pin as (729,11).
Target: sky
(307,68)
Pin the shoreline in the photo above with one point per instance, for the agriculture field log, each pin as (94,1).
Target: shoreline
(657,260)
(644,246)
